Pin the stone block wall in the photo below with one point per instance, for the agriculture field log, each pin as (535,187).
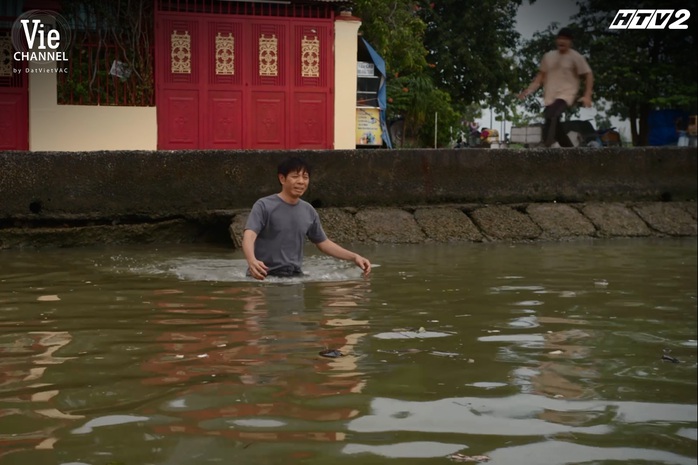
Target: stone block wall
(405,196)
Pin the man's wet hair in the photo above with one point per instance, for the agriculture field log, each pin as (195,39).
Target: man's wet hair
(293,165)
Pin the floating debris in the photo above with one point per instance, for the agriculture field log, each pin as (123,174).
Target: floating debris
(439,353)
(400,352)
(420,333)
(48,298)
(331,353)
(109,420)
(668,358)
(468,458)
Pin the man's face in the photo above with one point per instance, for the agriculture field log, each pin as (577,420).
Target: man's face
(295,183)
(563,44)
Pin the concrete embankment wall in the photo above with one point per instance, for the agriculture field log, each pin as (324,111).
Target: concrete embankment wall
(63,199)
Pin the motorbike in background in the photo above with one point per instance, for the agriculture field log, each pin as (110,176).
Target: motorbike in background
(609,137)
(590,137)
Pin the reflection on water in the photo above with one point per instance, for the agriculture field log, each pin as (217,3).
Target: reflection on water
(528,354)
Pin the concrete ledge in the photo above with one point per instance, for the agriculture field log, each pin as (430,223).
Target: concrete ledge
(169,231)
(616,219)
(342,225)
(667,218)
(391,196)
(44,185)
(502,223)
(447,224)
(505,223)
(390,225)
(409,225)
(559,221)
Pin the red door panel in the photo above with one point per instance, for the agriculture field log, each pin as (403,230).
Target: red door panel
(309,129)
(312,108)
(181,125)
(225,115)
(244,83)
(13,121)
(178,74)
(14,99)
(268,128)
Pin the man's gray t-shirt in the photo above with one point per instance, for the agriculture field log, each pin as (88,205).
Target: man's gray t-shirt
(281,231)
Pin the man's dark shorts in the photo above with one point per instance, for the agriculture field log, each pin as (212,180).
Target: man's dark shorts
(288,271)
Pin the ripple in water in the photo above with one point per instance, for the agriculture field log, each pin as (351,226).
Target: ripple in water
(229,270)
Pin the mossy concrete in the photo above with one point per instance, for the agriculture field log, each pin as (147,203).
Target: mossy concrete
(394,196)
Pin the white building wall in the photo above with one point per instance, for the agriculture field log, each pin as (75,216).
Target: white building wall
(76,128)
(345,58)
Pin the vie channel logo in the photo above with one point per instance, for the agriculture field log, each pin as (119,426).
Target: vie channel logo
(41,37)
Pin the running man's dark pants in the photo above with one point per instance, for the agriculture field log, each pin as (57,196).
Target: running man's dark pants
(552,129)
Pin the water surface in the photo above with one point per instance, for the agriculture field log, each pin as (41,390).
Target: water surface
(528,354)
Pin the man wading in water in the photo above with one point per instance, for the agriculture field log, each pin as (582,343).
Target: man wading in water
(278,224)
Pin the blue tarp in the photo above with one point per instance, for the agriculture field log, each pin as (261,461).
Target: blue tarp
(663,128)
(379,62)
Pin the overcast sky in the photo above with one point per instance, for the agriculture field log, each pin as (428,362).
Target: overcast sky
(536,17)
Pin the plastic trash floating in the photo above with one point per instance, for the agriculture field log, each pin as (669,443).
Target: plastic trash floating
(331,353)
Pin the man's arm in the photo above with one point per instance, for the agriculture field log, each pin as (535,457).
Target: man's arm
(534,85)
(258,269)
(334,250)
(588,89)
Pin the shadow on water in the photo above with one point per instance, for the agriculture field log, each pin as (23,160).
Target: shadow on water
(523,354)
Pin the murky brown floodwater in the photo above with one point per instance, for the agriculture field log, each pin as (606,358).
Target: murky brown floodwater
(528,354)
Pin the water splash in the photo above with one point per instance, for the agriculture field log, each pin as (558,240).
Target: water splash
(235,270)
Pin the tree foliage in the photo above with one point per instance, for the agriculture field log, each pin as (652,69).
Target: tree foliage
(640,70)
(470,52)
(472,45)
(422,107)
(393,28)
(442,57)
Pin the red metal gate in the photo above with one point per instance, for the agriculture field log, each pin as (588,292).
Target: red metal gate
(232,82)
(14,101)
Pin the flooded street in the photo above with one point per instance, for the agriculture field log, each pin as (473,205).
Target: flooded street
(546,353)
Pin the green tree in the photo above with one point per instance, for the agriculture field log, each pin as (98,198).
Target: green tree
(442,57)
(638,71)
(417,100)
(472,46)
(393,28)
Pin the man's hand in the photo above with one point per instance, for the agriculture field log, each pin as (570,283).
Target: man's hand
(363,263)
(258,269)
(586,101)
